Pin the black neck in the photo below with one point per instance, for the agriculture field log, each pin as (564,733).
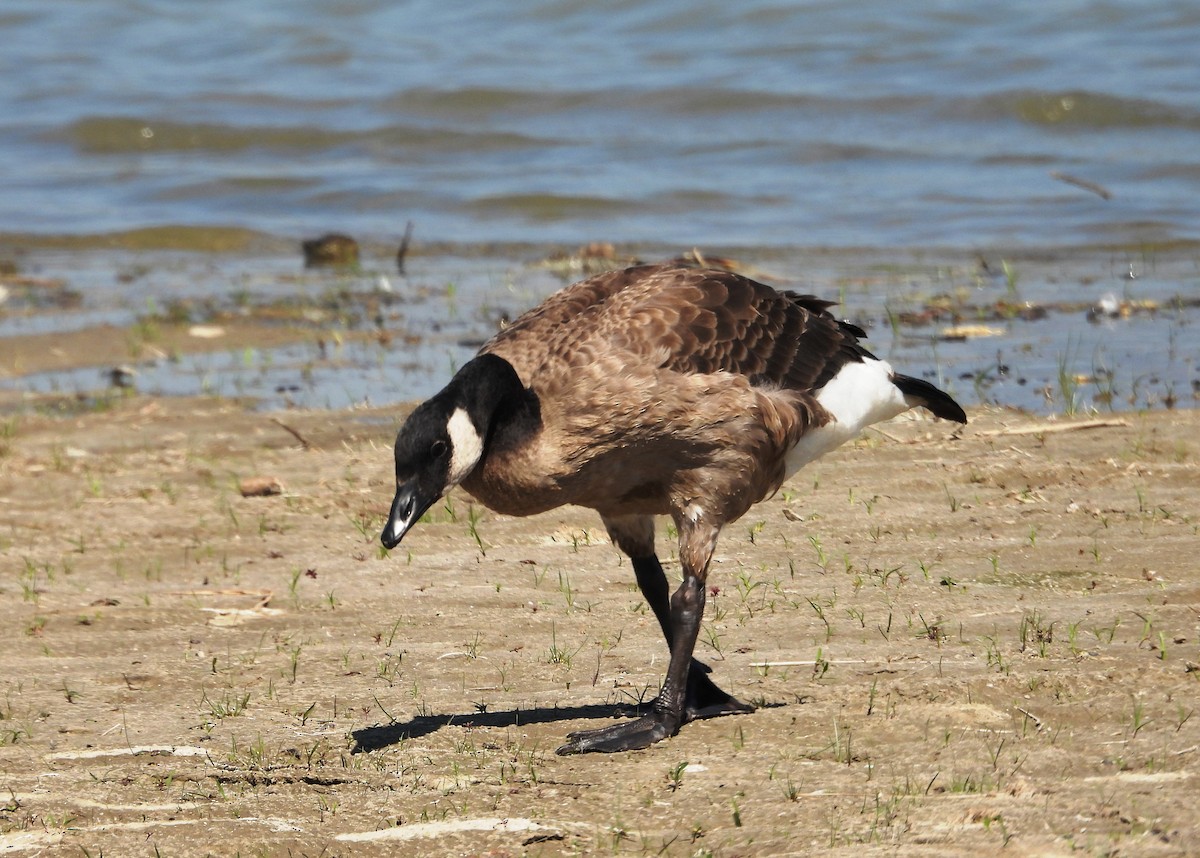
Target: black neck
(499,404)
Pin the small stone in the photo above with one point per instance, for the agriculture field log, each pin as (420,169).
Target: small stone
(256,487)
(332,250)
(122,376)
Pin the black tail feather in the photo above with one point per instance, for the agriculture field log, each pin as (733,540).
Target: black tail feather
(923,393)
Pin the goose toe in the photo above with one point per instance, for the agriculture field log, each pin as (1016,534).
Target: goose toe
(633,735)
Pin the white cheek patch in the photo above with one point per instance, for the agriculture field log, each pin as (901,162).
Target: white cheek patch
(466,447)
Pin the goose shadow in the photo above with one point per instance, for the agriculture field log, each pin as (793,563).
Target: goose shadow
(368,739)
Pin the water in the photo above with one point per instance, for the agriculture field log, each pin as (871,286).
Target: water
(759,123)
(862,151)
(359,344)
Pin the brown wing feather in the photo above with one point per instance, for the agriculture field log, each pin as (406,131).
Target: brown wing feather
(687,320)
(569,304)
(560,325)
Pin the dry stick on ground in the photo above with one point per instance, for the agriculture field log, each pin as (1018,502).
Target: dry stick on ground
(1037,722)
(295,434)
(403,251)
(1048,428)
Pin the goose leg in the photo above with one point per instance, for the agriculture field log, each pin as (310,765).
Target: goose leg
(634,535)
(686,608)
(703,698)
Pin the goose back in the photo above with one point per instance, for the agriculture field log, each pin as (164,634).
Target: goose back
(657,385)
(686,320)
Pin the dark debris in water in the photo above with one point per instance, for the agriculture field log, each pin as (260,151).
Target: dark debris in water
(335,335)
(332,250)
(944,310)
(340,251)
(23,293)
(338,304)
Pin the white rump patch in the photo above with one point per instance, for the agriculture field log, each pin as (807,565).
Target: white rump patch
(466,446)
(859,395)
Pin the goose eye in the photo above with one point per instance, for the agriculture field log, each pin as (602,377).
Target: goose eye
(437,449)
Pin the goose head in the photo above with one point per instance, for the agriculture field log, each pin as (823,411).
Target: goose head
(444,439)
(436,448)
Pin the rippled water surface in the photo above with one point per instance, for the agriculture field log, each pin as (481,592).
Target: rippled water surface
(1070,332)
(863,151)
(750,123)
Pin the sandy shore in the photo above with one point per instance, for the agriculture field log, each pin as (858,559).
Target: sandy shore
(957,643)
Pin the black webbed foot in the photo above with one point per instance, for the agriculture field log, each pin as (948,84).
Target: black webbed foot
(642,732)
(705,699)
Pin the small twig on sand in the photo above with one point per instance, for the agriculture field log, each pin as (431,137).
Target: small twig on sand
(1037,722)
(1048,428)
(303,441)
(887,435)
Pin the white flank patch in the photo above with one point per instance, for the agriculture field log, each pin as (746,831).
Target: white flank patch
(466,447)
(859,395)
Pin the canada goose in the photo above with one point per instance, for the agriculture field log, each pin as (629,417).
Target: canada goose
(654,390)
